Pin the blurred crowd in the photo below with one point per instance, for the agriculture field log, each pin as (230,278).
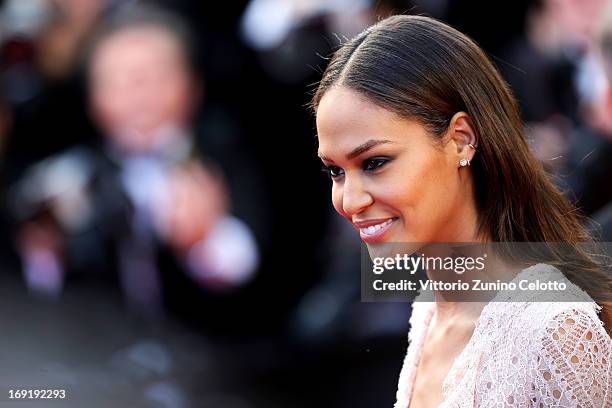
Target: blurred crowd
(159,155)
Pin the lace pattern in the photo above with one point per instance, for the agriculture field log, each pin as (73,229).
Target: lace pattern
(523,353)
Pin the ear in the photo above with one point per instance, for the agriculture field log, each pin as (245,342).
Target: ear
(461,134)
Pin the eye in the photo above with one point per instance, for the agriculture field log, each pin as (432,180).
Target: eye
(374,163)
(333,171)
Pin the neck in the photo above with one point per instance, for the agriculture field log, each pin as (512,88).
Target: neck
(463,228)
(454,306)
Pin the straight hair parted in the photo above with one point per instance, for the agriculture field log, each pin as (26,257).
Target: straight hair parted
(423,70)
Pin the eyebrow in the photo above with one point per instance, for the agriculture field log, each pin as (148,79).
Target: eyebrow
(370,144)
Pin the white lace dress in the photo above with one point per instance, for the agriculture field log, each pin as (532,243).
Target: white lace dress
(523,353)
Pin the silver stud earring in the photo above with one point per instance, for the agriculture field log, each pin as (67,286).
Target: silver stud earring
(464,162)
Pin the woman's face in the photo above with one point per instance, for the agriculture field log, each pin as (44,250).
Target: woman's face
(391,178)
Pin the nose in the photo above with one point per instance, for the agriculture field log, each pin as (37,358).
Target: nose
(355,198)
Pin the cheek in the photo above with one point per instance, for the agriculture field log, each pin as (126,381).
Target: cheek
(434,206)
(421,190)
(392,191)
(177,102)
(104,107)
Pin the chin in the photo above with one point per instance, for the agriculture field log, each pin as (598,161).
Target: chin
(392,248)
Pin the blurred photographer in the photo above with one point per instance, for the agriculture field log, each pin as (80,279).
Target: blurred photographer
(146,203)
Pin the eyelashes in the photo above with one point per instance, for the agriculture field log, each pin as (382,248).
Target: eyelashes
(368,165)
(332,171)
(374,163)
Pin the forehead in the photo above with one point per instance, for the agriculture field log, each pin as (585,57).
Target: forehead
(346,119)
(136,44)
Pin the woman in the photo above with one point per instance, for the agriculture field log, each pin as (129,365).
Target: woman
(424,143)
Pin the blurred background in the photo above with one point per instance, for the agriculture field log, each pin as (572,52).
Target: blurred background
(167,237)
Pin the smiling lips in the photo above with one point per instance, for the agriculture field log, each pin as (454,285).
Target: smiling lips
(374,229)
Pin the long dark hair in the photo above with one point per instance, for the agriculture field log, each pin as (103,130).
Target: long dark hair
(424,70)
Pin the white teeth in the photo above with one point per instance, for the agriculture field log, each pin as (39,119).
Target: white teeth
(375,228)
